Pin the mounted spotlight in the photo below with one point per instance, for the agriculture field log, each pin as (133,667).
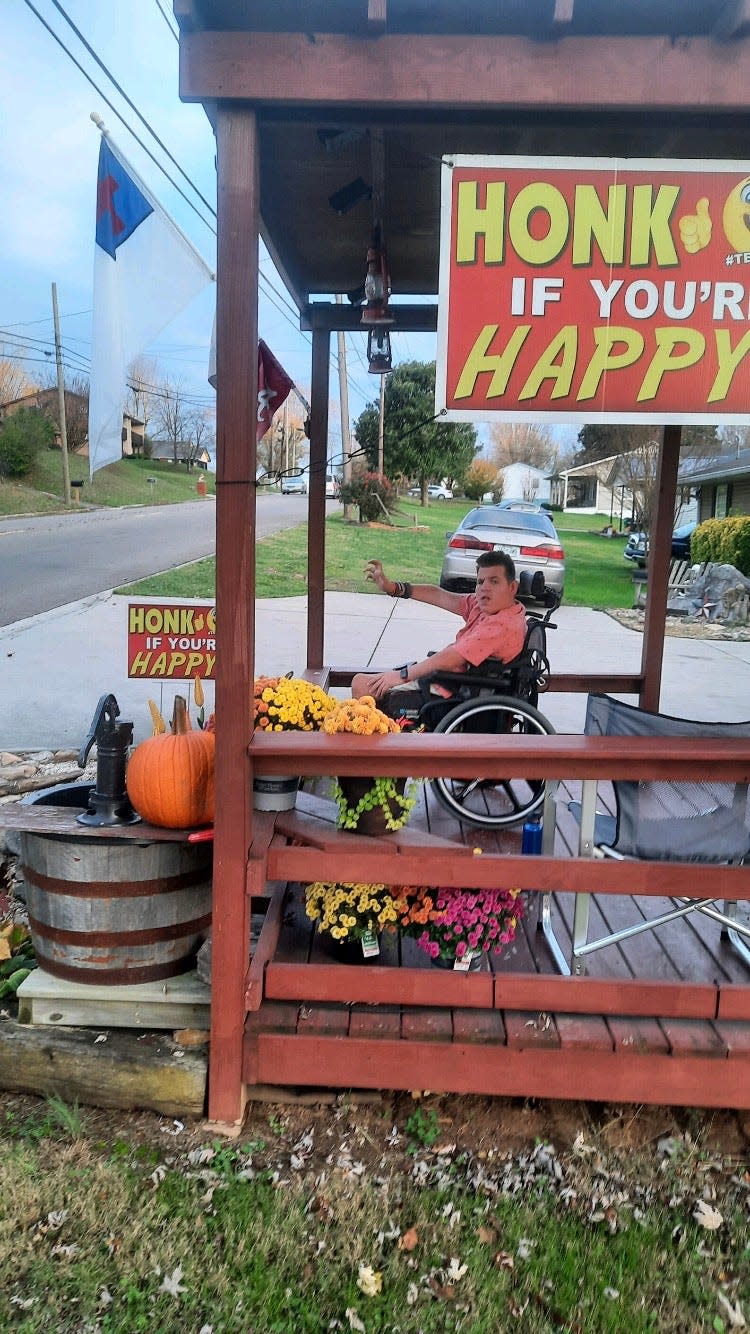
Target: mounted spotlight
(377,284)
(379,351)
(343,200)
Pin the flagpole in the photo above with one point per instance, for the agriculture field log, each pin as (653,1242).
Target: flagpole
(148,194)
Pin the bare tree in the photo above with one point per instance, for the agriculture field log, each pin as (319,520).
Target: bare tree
(523,442)
(637,472)
(76,389)
(143,390)
(14,382)
(172,417)
(733,439)
(201,433)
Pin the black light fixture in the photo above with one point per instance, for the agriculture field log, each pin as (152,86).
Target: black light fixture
(379,350)
(377,284)
(343,200)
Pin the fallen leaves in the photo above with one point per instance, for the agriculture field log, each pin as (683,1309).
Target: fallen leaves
(408,1239)
(707,1216)
(369,1281)
(172,1283)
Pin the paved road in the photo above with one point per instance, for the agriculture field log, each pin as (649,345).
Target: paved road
(47,561)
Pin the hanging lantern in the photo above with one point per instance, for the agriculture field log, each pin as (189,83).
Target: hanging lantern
(377,284)
(379,351)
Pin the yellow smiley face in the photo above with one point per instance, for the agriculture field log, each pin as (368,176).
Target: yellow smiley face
(736,217)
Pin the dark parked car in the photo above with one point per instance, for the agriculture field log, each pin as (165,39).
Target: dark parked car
(681,540)
(531,540)
(636,547)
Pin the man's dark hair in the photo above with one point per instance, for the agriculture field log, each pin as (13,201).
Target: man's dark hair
(500,558)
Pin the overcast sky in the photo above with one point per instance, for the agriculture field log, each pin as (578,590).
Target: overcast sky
(48,162)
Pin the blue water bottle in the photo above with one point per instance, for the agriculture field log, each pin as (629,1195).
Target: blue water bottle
(531,842)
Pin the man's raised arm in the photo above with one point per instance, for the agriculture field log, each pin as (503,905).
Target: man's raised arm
(430,593)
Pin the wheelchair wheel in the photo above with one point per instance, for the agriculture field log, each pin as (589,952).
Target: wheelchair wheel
(491,803)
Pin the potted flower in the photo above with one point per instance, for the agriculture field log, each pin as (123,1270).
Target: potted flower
(285,704)
(354,914)
(458,927)
(368,805)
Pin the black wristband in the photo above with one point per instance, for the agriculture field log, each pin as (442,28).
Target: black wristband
(407,590)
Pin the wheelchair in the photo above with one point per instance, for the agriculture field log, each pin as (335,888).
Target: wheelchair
(496,698)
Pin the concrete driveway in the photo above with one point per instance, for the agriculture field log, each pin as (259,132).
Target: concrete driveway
(56,665)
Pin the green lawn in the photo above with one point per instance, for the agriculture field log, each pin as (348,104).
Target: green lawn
(355,1222)
(123,483)
(596,574)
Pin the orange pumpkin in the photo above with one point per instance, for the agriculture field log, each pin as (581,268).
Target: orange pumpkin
(170,778)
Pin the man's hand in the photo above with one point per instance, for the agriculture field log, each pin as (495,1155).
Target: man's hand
(374,571)
(381,684)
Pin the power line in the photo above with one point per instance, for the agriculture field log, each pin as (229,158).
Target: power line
(263,279)
(146,124)
(23,324)
(165,16)
(113,108)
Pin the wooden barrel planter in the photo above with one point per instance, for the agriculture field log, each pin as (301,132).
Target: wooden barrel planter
(110,911)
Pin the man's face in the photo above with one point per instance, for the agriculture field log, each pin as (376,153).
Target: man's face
(495,591)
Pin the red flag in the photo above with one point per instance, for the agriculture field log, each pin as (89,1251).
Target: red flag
(273,386)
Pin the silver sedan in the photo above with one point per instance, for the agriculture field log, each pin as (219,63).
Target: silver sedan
(530,539)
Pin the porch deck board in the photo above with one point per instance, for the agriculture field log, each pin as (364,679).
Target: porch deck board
(565,1052)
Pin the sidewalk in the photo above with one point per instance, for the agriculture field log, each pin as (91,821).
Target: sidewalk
(55,666)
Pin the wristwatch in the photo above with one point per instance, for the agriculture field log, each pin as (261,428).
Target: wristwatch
(404,672)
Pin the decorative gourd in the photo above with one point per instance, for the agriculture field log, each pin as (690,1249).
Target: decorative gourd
(170,777)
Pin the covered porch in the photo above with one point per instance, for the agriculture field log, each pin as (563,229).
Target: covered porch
(382,91)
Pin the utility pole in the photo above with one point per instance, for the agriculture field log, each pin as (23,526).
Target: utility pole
(285,437)
(61,399)
(381,425)
(344,397)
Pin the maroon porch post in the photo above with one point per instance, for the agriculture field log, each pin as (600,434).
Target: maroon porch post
(659,558)
(316,524)
(236,401)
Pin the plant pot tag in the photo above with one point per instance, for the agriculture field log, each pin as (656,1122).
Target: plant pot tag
(463,964)
(370,946)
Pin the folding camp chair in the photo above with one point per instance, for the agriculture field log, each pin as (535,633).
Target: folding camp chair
(664,820)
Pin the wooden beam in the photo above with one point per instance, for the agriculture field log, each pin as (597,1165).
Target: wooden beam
(406,319)
(385,864)
(558,756)
(566,683)
(129,1070)
(659,559)
(563,11)
(519,991)
(484,72)
(316,520)
(236,415)
(453,1067)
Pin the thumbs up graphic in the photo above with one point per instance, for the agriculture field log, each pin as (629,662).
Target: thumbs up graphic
(695,228)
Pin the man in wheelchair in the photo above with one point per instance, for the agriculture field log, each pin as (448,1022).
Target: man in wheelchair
(494,626)
(486,681)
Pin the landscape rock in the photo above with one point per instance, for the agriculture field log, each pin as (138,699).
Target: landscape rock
(719,593)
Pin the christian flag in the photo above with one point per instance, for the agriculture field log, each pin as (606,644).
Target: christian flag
(145,273)
(274,384)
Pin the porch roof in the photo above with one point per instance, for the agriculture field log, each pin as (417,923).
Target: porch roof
(372,95)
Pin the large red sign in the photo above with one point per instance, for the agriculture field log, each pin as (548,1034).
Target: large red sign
(594,291)
(171,640)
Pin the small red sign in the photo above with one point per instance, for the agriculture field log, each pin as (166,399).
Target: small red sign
(171,641)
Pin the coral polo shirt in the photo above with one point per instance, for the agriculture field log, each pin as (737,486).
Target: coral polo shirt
(484,636)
